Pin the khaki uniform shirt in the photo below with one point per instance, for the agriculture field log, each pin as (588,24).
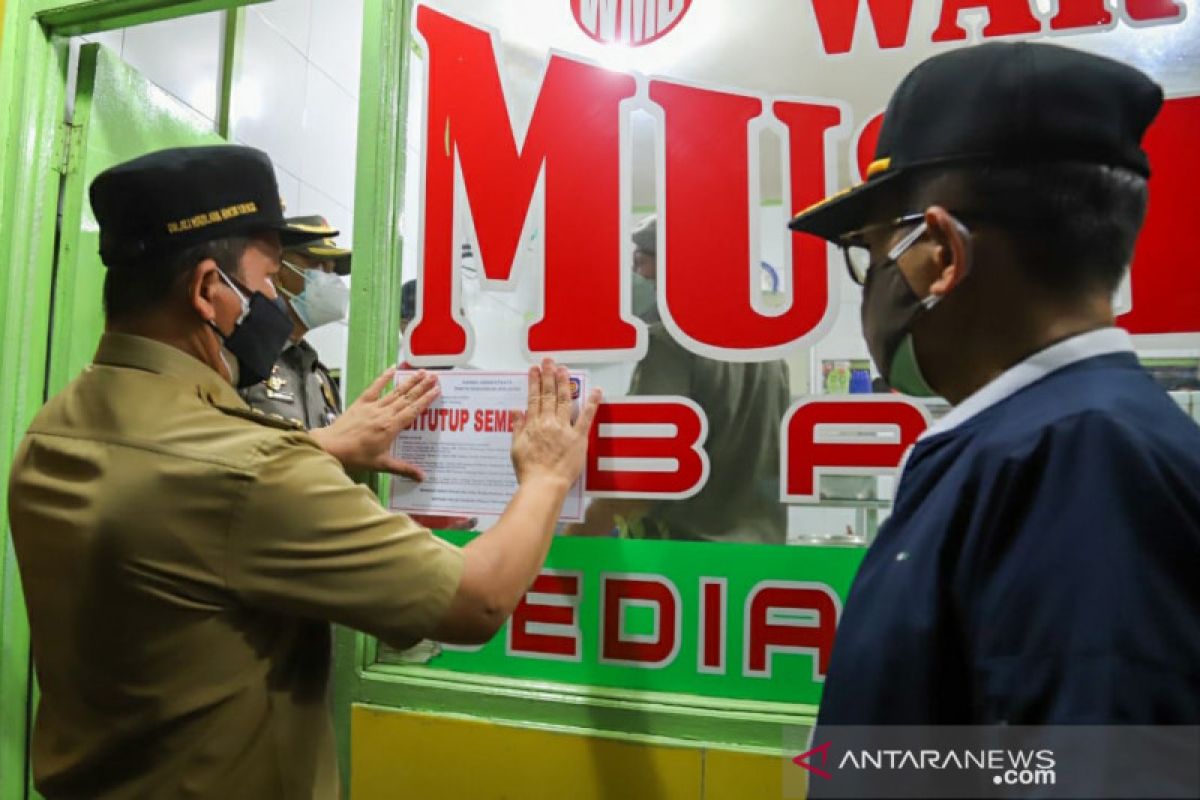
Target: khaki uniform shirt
(181,558)
(300,389)
(745,404)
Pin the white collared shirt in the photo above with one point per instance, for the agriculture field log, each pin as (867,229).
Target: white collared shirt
(1105,341)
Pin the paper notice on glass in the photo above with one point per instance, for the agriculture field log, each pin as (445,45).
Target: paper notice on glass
(462,442)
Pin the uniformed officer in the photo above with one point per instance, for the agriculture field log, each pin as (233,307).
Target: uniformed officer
(301,388)
(182,556)
(744,405)
(1039,567)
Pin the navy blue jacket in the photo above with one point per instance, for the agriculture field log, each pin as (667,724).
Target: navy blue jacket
(1041,566)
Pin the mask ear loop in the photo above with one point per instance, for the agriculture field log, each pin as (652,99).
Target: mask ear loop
(903,247)
(232,369)
(932,300)
(298,271)
(908,241)
(245,300)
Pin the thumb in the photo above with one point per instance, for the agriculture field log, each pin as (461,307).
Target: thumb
(518,423)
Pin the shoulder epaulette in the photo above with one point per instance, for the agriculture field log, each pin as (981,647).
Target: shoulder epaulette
(254,415)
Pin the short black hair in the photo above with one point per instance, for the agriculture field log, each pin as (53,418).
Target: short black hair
(134,289)
(1073,225)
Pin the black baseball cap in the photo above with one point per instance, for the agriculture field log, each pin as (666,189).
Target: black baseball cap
(322,249)
(172,199)
(1002,102)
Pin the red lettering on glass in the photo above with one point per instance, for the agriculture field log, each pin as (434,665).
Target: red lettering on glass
(655,649)
(560,636)
(1147,11)
(1074,14)
(706,274)
(1166,297)
(626,464)
(1005,18)
(573,140)
(790,617)
(837,20)
(808,450)
(713,599)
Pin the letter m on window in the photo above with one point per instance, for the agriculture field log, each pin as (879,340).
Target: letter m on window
(569,152)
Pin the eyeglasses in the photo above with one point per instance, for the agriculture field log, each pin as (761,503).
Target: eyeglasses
(857,253)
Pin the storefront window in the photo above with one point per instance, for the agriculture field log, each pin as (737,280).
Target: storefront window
(720,198)
(611,184)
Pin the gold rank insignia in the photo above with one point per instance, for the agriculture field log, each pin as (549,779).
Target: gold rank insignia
(276,387)
(330,399)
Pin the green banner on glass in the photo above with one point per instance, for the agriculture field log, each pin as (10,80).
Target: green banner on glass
(753,622)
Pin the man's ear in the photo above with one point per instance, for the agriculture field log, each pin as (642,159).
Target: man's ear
(202,288)
(952,249)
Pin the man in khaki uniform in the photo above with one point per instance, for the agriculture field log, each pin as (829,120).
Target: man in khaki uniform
(300,388)
(182,556)
(744,404)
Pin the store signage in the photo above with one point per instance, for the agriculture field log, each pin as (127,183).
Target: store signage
(837,19)
(705,619)
(632,439)
(568,163)
(652,447)
(631,22)
(842,436)
(697,618)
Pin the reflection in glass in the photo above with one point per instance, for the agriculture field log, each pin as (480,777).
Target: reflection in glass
(744,404)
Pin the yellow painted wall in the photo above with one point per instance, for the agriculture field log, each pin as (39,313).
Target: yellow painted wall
(398,754)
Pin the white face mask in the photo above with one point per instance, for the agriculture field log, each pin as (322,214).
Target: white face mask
(325,299)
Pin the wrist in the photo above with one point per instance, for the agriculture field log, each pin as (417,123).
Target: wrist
(546,482)
(329,443)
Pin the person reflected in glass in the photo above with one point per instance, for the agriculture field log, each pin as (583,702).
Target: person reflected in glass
(744,404)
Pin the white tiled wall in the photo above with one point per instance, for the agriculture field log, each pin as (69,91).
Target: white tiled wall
(183,56)
(295,95)
(267,105)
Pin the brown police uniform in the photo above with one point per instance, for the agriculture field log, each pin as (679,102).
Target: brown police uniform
(181,558)
(745,404)
(300,389)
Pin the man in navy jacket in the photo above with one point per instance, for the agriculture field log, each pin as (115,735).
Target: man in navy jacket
(1041,563)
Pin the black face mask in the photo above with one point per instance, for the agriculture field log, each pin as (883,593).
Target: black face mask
(890,310)
(259,336)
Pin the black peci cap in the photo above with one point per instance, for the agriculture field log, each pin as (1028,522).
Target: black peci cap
(171,199)
(1008,103)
